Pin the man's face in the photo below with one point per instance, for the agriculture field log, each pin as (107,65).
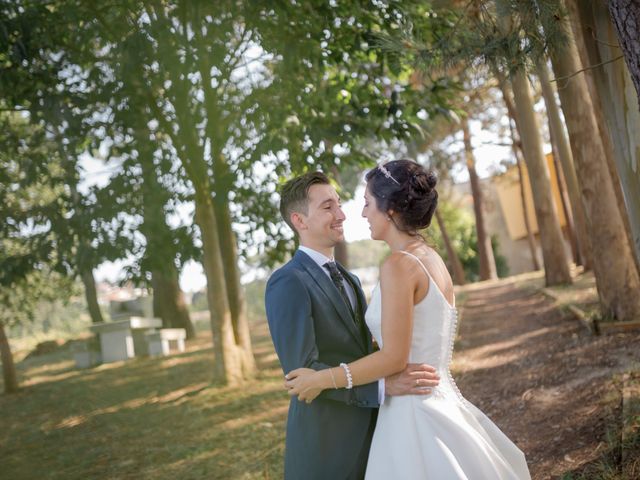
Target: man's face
(322,226)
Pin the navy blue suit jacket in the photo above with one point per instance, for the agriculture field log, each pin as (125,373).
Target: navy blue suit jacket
(311,327)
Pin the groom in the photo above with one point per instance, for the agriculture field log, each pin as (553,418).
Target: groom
(315,309)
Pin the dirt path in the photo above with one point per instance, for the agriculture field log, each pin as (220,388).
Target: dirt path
(540,376)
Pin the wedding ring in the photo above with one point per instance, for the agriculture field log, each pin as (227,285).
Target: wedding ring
(417,383)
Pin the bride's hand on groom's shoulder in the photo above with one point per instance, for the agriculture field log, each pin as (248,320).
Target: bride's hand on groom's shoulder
(415,379)
(305,383)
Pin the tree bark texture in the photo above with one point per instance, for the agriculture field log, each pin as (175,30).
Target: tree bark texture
(168,300)
(598,108)
(228,363)
(626,19)
(516,146)
(8,367)
(570,228)
(456,265)
(530,238)
(341,254)
(557,129)
(92,297)
(554,256)
(613,264)
(485,252)
(619,103)
(229,357)
(237,302)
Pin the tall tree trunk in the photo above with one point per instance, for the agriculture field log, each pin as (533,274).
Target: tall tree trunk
(83,258)
(168,300)
(485,252)
(619,103)
(341,254)
(566,205)
(230,360)
(614,266)
(228,363)
(556,266)
(626,18)
(516,146)
(565,158)
(598,110)
(92,297)
(456,264)
(235,293)
(8,367)
(525,212)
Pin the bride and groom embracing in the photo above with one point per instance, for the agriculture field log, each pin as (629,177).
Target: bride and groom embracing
(360,412)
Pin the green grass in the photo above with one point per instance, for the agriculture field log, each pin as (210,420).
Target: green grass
(146,418)
(582,293)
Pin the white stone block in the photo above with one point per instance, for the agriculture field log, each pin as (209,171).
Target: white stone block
(116,345)
(158,343)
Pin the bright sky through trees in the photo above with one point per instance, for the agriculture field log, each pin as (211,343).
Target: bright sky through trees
(356,228)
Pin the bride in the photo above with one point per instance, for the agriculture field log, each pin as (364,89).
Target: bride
(413,318)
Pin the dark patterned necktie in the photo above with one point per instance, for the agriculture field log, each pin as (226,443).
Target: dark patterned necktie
(338,281)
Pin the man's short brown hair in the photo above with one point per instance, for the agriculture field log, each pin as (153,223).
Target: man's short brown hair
(294,195)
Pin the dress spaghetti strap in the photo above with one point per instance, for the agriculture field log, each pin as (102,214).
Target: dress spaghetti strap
(431,280)
(419,261)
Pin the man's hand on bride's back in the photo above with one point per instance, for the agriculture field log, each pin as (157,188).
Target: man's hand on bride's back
(415,379)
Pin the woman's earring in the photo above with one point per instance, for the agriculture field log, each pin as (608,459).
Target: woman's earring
(388,218)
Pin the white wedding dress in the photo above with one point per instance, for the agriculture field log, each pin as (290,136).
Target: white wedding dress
(439,436)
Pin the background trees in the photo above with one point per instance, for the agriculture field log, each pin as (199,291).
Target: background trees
(511,37)
(208,105)
(198,110)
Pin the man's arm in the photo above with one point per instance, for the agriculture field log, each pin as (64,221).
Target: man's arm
(288,307)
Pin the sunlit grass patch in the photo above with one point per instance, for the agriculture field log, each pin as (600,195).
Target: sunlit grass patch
(145,418)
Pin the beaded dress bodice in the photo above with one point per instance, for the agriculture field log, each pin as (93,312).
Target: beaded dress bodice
(439,434)
(434,332)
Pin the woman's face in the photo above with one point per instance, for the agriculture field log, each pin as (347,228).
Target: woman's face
(378,221)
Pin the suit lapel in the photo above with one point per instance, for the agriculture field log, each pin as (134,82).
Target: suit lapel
(353,280)
(365,335)
(326,285)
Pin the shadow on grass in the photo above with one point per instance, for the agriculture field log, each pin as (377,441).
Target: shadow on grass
(159,418)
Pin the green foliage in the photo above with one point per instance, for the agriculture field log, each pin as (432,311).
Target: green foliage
(29,196)
(254,294)
(460,225)
(27,298)
(503,34)
(187,100)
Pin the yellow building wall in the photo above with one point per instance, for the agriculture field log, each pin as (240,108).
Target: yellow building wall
(508,188)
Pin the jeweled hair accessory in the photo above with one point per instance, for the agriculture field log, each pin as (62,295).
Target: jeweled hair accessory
(387,174)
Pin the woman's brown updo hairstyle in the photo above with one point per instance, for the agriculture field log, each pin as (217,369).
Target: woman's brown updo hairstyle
(406,188)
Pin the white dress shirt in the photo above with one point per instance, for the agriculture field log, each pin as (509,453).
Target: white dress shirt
(321,259)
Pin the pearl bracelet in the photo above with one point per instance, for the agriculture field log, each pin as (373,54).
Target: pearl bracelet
(348,374)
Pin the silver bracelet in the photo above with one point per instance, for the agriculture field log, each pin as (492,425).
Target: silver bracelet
(348,374)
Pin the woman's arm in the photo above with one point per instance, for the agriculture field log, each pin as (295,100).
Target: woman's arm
(398,283)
